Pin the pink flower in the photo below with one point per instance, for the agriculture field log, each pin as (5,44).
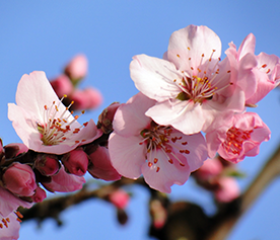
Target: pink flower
(228,189)
(64,182)
(76,162)
(76,69)
(101,165)
(191,85)
(238,137)
(162,154)
(256,75)
(42,122)
(9,227)
(20,179)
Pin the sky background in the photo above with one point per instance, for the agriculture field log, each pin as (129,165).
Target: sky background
(45,35)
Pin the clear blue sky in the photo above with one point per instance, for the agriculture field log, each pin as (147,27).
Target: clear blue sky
(44,35)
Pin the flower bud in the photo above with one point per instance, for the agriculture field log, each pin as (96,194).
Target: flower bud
(62,85)
(47,164)
(39,195)
(76,162)
(88,98)
(228,189)
(105,119)
(14,149)
(210,168)
(119,198)
(20,179)
(77,68)
(100,165)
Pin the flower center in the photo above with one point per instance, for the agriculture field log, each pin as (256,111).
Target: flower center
(6,221)
(204,81)
(56,127)
(235,139)
(161,139)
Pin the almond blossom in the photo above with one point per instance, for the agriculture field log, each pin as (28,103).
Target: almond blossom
(191,85)
(42,122)
(237,137)
(162,154)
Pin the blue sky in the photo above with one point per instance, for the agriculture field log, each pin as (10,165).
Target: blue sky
(44,35)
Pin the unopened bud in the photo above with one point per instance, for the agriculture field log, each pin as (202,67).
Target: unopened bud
(101,166)
(39,195)
(20,179)
(62,86)
(119,198)
(77,68)
(106,118)
(76,162)
(228,189)
(47,164)
(14,149)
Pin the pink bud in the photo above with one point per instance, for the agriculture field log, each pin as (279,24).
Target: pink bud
(105,119)
(101,166)
(20,179)
(62,86)
(210,168)
(14,149)
(47,164)
(119,198)
(89,98)
(76,162)
(39,195)
(77,68)
(228,189)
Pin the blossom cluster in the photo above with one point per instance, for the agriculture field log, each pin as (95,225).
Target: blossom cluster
(191,106)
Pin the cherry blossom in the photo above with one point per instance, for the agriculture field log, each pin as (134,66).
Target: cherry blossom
(237,137)
(42,122)
(191,85)
(162,154)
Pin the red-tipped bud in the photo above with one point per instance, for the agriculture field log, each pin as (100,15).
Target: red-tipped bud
(62,86)
(39,195)
(105,119)
(76,162)
(20,179)
(101,166)
(47,164)
(119,198)
(77,68)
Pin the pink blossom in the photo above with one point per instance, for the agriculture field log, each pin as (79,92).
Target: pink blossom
(76,162)
(101,165)
(162,154)
(39,195)
(191,85)
(228,189)
(9,227)
(42,122)
(20,179)
(256,75)
(119,198)
(62,85)
(77,68)
(237,137)
(64,182)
